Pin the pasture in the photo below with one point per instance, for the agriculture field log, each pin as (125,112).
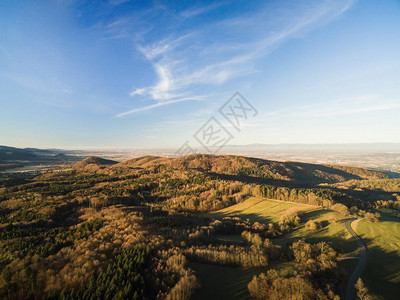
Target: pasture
(382,273)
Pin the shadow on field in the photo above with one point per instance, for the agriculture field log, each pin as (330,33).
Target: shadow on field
(340,245)
(222,282)
(313,214)
(253,217)
(382,273)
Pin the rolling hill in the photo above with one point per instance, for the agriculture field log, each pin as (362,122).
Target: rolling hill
(92,164)
(255,169)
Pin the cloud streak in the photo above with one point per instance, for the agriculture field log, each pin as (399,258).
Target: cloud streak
(195,11)
(159,104)
(188,61)
(149,107)
(355,105)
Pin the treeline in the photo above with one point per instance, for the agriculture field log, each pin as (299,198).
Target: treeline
(312,196)
(393,204)
(387,185)
(257,255)
(223,194)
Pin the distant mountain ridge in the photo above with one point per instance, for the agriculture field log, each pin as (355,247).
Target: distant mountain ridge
(11,154)
(32,155)
(253,168)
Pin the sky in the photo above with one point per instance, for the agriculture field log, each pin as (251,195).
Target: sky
(151,74)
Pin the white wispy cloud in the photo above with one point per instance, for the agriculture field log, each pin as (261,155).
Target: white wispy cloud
(132,111)
(154,50)
(340,111)
(198,10)
(337,107)
(118,2)
(140,91)
(149,107)
(181,65)
(67,90)
(150,137)
(162,90)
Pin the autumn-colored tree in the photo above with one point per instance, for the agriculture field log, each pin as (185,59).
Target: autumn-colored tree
(312,225)
(372,218)
(273,287)
(362,290)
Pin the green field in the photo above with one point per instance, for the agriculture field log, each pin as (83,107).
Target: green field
(260,210)
(333,231)
(266,211)
(382,273)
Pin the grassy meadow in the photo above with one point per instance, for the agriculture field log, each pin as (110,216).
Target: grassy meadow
(261,210)
(333,231)
(382,273)
(268,210)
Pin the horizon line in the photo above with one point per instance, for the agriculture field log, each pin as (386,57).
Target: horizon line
(98,148)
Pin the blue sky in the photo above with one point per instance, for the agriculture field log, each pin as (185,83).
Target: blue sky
(143,74)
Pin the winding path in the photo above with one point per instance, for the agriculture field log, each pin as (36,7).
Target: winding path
(361,264)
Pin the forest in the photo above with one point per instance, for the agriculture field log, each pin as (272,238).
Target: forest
(132,230)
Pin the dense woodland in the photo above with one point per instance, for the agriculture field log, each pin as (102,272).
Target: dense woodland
(105,230)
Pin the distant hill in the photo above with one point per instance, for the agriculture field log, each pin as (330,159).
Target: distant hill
(141,162)
(44,152)
(32,155)
(254,169)
(11,154)
(93,163)
(286,171)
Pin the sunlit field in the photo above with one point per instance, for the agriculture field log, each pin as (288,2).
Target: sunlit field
(382,273)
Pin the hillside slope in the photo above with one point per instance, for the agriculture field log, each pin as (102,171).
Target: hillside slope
(255,170)
(92,164)
(12,154)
